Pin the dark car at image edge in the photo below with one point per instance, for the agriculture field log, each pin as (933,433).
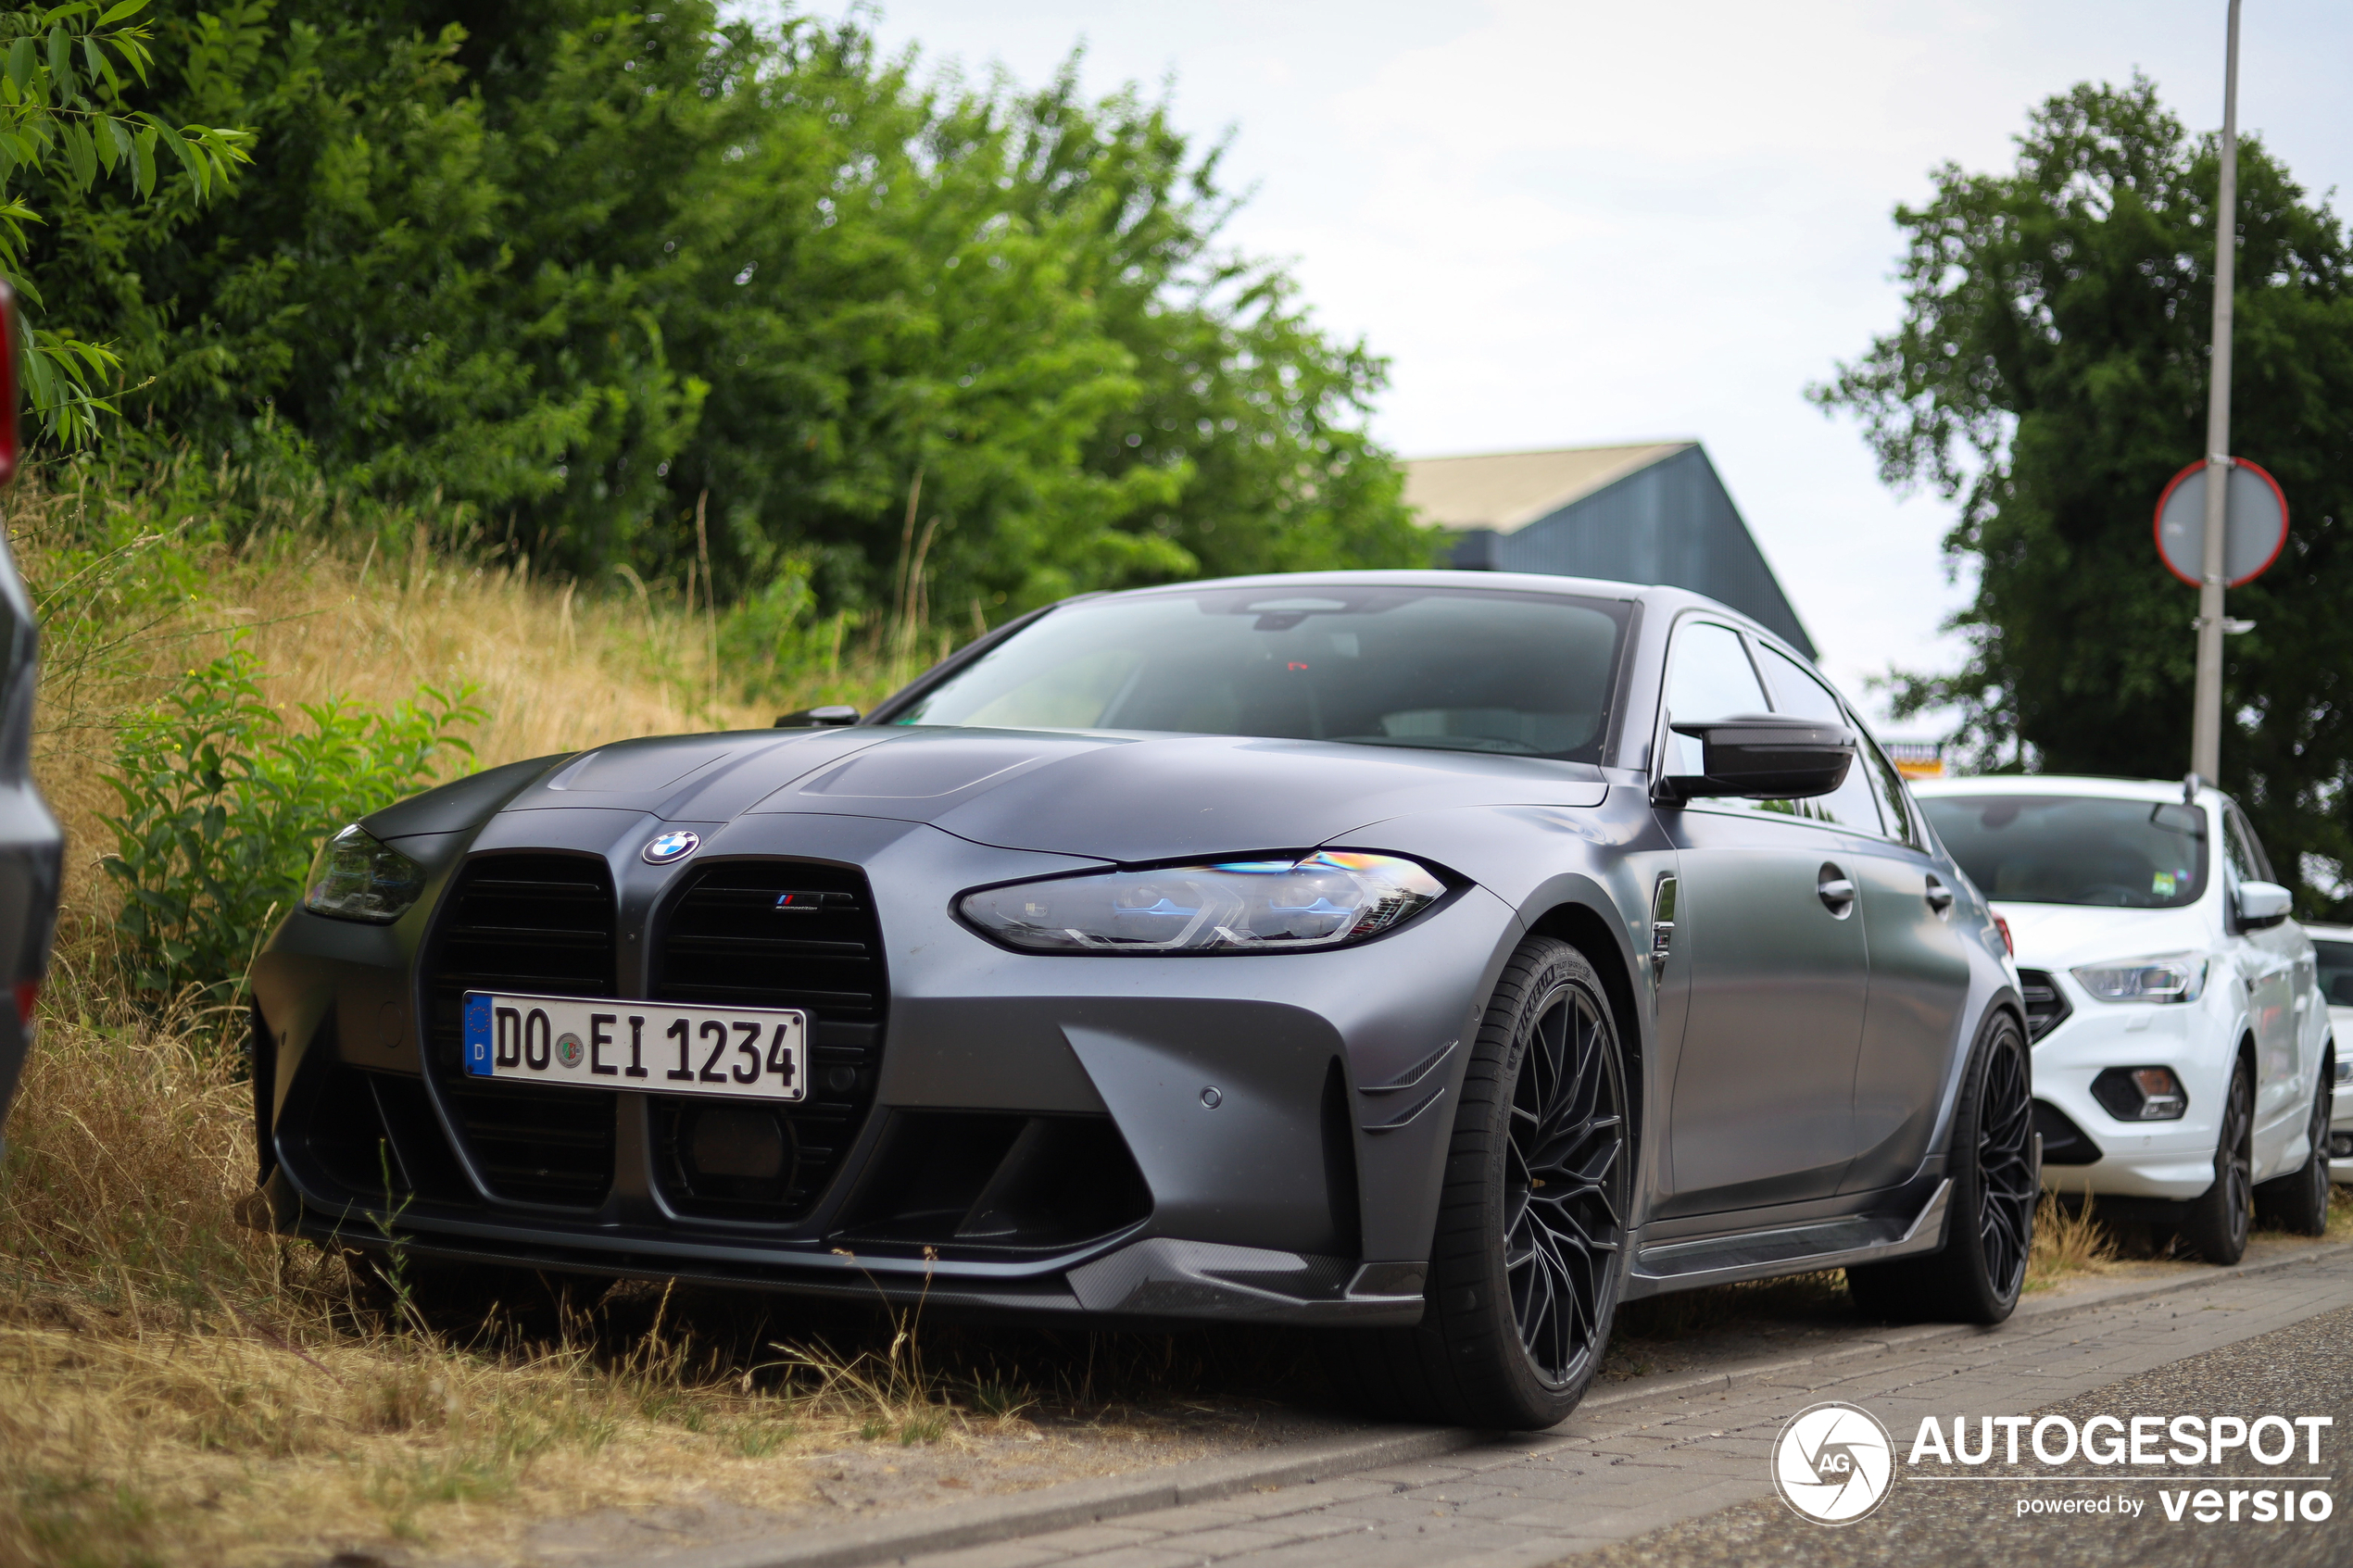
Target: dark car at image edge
(31,844)
(1434,959)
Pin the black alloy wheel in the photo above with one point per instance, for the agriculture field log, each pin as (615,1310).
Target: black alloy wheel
(1528,1256)
(2298,1202)
(2217,1222)
(1564,1181)
(2008,1181)
(1989,1215)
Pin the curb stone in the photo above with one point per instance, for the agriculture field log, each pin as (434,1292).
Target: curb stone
(1077,1503)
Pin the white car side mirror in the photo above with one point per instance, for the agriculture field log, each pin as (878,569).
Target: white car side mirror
(2263,903)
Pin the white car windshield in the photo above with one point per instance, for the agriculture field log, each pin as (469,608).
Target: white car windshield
(1455,670)
(2075,849)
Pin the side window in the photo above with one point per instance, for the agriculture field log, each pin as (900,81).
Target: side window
(2246,850)
(1796,690)
(2233,852)
(1887,784)
(1709,677)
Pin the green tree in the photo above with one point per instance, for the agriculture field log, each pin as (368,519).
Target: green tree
(2050,375)
(593,274)
(71,79)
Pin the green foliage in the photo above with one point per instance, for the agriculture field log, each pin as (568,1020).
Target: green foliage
(71,79)
(2050,373)
(958,349)
(224,804)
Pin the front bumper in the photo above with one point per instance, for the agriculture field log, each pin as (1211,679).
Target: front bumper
(2166,1161)
(1301,1190)
(1129,1284)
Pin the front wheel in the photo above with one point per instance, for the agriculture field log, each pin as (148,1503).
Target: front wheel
(2216,1223)
(1989,1225)
(1525,1265)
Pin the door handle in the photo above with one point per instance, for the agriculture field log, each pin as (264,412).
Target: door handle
(1836,892)
(1940,898)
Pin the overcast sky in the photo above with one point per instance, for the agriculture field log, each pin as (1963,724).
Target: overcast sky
(1569,223)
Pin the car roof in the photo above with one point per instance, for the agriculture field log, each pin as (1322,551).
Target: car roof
(2333,933)
(1658,596)
(2059,783)
(1517,582)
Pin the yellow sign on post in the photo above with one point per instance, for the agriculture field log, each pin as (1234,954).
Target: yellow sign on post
(1917,758)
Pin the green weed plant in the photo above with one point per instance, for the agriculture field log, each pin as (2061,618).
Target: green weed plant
(224,802)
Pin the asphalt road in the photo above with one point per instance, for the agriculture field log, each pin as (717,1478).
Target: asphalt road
(2307,1369)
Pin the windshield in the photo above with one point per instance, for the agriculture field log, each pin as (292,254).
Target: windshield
(1453,670)
(2074,849)
(2336,972)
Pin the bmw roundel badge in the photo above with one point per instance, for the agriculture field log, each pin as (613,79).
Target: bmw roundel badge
(675,844)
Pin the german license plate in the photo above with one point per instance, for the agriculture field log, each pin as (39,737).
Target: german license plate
(655,1048)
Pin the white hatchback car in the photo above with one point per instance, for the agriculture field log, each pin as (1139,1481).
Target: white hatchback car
(2333,944)
(2182,1054)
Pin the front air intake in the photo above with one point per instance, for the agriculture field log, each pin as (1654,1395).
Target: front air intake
(538,924)
(781,934)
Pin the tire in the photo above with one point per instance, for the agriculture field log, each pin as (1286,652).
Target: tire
(1989,1223)
(1526,1263)
(2215,1225)
(2298,1202)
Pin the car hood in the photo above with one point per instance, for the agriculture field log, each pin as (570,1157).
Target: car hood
(1126,797)
(2061,935)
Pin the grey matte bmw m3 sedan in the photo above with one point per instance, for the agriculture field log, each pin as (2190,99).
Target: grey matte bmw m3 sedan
(1435,959)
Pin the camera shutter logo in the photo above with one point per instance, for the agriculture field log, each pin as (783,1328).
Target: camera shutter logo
(1833,1463)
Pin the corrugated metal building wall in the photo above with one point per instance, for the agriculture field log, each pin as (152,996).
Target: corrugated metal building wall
(1670,522)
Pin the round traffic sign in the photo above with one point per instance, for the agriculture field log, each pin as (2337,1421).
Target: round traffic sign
(2254,528)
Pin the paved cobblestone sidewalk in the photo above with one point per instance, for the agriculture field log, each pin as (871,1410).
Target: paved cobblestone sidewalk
(1637,1467)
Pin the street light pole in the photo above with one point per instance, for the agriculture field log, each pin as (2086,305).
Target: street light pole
(2206,730)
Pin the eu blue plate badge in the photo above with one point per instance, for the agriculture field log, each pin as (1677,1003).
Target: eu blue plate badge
(478,1034)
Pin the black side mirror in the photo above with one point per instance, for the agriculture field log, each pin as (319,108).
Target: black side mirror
(1770,756)
(808,717)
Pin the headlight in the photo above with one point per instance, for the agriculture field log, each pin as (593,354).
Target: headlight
(1326,899)
(2180,978)
(359,877)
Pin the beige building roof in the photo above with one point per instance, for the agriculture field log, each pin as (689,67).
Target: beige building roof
(1506,490)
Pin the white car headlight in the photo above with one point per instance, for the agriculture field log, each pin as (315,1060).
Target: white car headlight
(2176,977)
(357,876)
(1323,899)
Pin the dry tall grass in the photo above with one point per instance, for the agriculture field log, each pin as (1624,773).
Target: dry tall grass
(2069,1239)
